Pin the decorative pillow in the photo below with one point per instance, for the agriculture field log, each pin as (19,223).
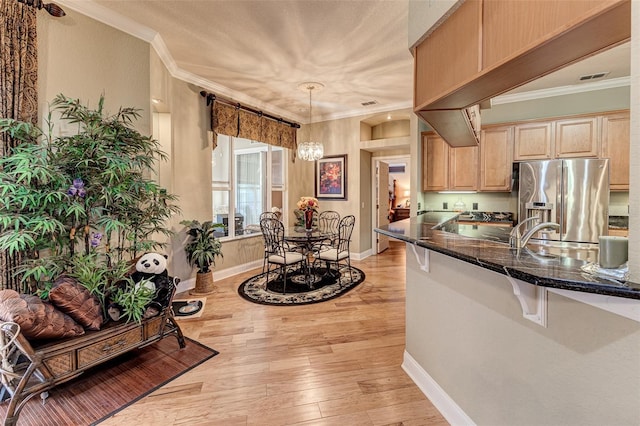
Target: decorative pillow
(72,298)
(37,319)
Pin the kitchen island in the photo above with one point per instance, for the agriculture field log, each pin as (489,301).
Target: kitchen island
(486,247)
(495,336)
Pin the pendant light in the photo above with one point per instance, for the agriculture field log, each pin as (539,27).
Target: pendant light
(309,150)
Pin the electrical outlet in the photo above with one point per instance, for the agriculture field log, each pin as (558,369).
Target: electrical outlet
(445,206)
(475,206)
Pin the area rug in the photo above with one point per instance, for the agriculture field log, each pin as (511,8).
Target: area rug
(112,386)
(188,308)
(257,290)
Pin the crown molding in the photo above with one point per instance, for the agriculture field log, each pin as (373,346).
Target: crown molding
(561,91)
(108,17)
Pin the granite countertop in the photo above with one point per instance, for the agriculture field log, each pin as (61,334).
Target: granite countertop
(558,272)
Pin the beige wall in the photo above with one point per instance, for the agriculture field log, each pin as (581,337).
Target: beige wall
(343,137)
(466,330)
(82,59)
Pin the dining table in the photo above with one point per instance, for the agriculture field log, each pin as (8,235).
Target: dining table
(305,241)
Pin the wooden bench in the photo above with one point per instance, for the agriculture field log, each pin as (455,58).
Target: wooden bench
(32,368)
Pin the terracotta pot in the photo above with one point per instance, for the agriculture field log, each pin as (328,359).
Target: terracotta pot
(204,284)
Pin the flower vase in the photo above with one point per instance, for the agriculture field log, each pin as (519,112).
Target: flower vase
(308,220)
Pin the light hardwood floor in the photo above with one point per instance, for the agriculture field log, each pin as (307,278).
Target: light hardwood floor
(330,363)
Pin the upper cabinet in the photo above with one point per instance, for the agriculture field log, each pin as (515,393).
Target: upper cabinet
(533,141)
(435,163)
(571,137)
(486,48)
(445,168)
(615,147)
(496,155)
(449,56)
(577,137)
(511,28)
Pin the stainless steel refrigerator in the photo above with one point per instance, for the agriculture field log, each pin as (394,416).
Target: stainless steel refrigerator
(573,193)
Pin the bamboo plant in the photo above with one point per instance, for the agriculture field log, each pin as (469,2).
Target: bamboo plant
(83,193)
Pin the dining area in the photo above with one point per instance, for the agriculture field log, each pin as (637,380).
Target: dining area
(304,263)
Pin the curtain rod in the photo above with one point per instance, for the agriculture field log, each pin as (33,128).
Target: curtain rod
(212,97)
(52,8)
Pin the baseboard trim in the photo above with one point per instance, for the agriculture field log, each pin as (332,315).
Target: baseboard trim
(438,397)
(220,275)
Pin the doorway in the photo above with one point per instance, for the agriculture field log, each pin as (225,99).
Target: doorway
(390,201)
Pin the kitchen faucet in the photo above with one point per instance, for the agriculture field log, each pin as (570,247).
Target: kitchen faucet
(517,240)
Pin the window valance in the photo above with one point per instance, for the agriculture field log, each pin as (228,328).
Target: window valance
(243,122)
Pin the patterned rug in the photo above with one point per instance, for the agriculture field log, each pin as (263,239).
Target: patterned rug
(325,287)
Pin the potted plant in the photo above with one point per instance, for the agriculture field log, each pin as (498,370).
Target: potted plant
(81,203)
(201,249)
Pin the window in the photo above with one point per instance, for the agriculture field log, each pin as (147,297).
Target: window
(248,179)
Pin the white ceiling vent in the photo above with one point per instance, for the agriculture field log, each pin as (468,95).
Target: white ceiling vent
(593,76)
(369,103)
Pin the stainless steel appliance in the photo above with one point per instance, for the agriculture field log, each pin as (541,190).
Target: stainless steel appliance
(573,193)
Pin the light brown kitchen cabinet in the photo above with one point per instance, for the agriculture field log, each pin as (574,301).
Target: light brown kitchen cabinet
(577,137)
(456,45)
(485,48)
(435,163)
(533,141)
(496,155)
(615,147)
(509,27)
(445,168)
(463,168)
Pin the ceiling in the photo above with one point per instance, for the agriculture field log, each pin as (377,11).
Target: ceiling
(258,52)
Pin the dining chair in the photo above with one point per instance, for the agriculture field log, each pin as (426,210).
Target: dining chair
(338,251)
(328,222)
(279,251)
(266,215)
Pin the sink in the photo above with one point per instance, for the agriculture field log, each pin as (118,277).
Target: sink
(578,251)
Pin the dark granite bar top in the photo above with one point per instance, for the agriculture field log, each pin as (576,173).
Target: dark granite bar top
(556,272)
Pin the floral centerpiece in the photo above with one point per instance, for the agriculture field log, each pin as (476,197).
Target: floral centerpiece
(307,207)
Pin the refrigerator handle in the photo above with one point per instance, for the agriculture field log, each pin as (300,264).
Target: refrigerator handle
(562,190)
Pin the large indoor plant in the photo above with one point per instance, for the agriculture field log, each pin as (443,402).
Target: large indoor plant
(202,248)
(84,197)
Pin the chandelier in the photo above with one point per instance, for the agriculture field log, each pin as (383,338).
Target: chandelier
(309,150)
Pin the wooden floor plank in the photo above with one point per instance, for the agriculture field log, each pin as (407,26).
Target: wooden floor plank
(331,363)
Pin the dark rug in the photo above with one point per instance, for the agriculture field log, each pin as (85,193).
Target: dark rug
(326,287)
(103,391)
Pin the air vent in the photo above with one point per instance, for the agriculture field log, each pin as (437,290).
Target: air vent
(368,103)
(592,76)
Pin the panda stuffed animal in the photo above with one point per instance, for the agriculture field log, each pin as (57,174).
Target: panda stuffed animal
(152,269)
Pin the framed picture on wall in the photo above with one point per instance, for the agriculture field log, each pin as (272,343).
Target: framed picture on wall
(331,177)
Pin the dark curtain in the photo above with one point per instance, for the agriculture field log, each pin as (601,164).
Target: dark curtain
(18,89)
(233,121)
